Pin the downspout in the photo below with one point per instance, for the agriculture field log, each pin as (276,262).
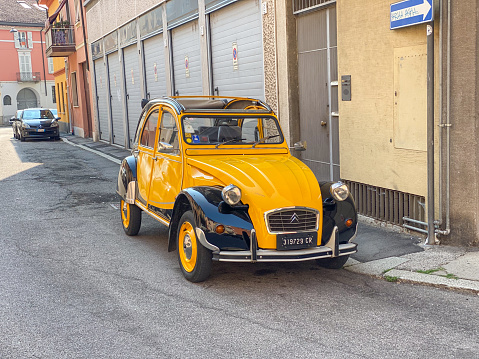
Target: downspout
(447,125)
(70,126)
(43,63)
(84,38)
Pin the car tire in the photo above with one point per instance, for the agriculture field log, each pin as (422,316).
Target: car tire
(130,218)
(333,263)
(194,259)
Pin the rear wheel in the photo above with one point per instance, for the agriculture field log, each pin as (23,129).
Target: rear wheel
(130,218)
(194,259)
(333,263)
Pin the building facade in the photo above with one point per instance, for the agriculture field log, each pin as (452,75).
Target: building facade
(65,35)
(26,75)
(336,74)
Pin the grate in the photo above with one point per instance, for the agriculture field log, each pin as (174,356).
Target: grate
(300,6)
(386,204)
(292,220)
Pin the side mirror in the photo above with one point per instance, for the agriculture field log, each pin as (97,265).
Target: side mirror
(300,146)
(58,118)
(144,102)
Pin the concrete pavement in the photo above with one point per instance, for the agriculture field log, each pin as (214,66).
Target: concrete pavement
(384,251)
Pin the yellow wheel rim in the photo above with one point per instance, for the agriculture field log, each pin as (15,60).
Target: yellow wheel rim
(187,247)
(125,213)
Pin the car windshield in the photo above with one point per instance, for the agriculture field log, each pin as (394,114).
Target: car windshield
(37,115)
(229,130)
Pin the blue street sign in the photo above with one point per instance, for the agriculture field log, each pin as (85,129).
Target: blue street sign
(410,12)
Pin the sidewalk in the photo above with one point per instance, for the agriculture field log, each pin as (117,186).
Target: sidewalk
(383,251)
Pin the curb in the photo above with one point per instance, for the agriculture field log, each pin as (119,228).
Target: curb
(110,158)
(385,269)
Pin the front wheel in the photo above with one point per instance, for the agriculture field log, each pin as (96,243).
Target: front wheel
(130,218)
(333,263)
(194,259)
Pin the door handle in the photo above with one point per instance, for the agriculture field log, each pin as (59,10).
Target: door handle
(323,123)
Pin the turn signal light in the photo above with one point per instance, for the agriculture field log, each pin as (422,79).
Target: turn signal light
(220,229)
(348,222)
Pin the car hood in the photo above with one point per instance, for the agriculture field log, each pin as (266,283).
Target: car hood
(37,122)
(267,182)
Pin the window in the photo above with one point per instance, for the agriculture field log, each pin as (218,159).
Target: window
(77,11)
(7,100)
(149,130)
(50,65)
(54,97)
(168,139)
(25,62)
(63,98)
(74,89)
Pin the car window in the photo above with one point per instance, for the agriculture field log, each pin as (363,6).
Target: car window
(231,130)
(37,115)
(149,130)
(168,139)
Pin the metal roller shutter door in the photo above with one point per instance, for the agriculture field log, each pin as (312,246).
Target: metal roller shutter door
(238,23)
(133,88)
(114,76)
(186,48)
(102,99)
(154,52)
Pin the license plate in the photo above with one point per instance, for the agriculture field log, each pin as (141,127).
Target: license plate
(296,240)
(41,130)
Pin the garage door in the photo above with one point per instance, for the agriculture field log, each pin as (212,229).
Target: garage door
(114,76)
(133,87)
(102,99)
(241,75)
(154,53)
(186,59)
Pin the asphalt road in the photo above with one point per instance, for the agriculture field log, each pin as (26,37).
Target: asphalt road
(73,285)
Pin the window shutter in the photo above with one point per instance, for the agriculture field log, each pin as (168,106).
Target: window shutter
(30,40)
(17,41)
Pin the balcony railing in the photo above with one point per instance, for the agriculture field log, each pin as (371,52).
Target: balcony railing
(60,41)
(28,77)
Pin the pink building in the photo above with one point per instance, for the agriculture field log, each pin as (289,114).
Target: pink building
(26,74)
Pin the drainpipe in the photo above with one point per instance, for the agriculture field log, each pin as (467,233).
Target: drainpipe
(70,126)
(43,63)
(447,125)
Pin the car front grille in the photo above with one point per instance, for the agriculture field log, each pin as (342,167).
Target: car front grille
(297,219)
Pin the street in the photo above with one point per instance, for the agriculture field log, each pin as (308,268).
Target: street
(73,285)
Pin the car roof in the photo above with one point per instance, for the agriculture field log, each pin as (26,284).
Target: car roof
(185,104)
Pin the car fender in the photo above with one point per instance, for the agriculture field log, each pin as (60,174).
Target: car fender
(336,213)
(126,185)
(209,211)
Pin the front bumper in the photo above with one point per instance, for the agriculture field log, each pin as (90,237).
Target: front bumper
(330,250)
(33,133)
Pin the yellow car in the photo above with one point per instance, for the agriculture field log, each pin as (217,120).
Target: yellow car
(219,174)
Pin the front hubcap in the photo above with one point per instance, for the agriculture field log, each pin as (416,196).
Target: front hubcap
(125,213)
(187,247)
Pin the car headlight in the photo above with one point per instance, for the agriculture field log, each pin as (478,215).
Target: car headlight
(25,125)
(231,194)
(339,191)
(54,124)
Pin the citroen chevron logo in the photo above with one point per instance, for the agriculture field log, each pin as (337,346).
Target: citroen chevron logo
(294,218)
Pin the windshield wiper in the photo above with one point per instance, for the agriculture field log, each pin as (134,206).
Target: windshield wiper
(261,140)
(232,140)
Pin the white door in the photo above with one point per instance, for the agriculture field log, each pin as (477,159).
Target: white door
(237,50)
(116,100)
(102,99)
(186,59)
(154,58)
(131,62)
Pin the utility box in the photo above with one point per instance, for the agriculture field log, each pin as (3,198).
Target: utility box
(346,87)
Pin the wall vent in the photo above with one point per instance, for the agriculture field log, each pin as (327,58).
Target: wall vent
(300,6)
(388,205)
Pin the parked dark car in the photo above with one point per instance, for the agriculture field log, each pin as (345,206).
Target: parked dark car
(13,122)
(37,123)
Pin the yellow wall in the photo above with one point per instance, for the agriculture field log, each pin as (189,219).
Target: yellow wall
(383,127)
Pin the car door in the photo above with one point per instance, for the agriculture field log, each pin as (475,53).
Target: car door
(167,172)
(146,152)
